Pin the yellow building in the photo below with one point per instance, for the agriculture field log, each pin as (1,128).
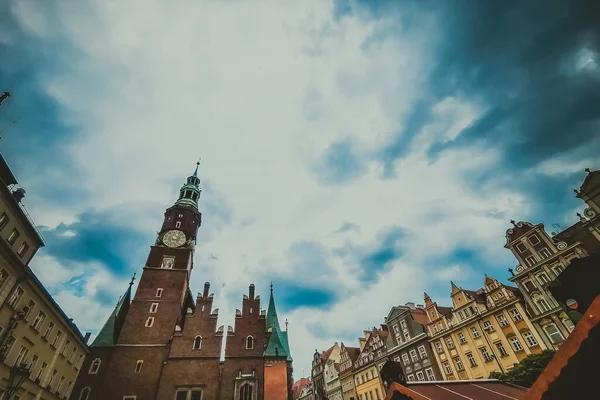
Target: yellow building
(34,331)
(367,382)
(485,331)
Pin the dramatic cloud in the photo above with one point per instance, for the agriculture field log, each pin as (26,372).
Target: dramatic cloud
(355,153)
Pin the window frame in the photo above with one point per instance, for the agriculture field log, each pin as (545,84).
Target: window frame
(149,322)
(14,235)
(536,238)
(515,343)
(528,335)
(159,292)
(139,364)
(4,220)
(92,370)
(23,249)
(199,342)
(153,308)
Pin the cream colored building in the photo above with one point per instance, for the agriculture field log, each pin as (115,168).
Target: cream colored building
(367,382)
(33,329)
(485,331)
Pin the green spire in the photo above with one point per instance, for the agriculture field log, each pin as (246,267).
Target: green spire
(108,335)
(272,320)
(278,345)
(189,194)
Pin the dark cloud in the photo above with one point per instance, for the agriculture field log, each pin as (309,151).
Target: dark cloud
(290,295)
(98,236)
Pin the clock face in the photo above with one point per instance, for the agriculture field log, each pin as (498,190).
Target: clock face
(174,238)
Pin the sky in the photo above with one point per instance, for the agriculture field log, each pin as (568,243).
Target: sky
(355,153)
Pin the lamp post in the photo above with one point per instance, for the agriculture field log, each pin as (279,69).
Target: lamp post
(18,374)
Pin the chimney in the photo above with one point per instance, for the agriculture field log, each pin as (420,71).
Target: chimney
(87,337)
(18,194)
(251,292)
(410,305)
(421,306)
(206,288)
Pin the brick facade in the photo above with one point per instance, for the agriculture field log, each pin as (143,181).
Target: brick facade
(163,342)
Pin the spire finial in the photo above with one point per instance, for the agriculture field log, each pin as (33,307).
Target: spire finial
(271,287)
(512,221)
(197,165)
(132,279)
(286,324)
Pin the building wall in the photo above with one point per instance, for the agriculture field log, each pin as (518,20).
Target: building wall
(347,386)
(276,380)
(367,383)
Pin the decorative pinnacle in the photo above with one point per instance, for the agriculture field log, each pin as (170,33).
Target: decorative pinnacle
(587,170)
(132,279)
(197,165)
(512,221)
(271,286)
(286,324)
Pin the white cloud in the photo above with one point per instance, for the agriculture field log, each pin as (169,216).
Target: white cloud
(260,90)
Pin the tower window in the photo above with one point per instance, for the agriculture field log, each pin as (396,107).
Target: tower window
(178,224)
(188,194)
(197,343)
(13,236)
(95,366)
(159,292)
(85,393)
(153,307)
(180,216)
(189,394)
(249,342)
(138,366)
(149,322)
(195,196)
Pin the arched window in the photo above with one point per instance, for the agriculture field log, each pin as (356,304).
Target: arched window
(95,366)
(542,305)
(249,342)
(246,392)
(85,393)
(197,343)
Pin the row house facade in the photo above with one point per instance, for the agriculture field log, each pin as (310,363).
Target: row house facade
(34,331)
(408,343)
(348,356)
(485,331)
(541,259)
(318,372)
(372,356)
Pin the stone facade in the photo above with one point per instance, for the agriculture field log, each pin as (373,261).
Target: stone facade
(163,344)
(348,356)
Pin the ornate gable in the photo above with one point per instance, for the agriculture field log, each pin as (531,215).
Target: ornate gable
(520,229)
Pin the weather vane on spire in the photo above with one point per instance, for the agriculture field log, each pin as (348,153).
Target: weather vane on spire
(286,324)
(197,165)
(132,279)
(271,286)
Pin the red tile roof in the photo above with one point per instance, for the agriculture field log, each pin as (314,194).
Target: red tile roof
(353,353)
(445,311)
(325,355)
(419,316)
(479,389)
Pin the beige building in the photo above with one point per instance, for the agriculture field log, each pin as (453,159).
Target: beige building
(485,331)
(34,331)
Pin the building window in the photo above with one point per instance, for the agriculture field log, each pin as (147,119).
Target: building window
(534,239)
(461,315)
(159,292)
(22,356)
(545,253)
(529,338)
(13,236)
(422,352)
(178,224)
(487,325)
(138,366)
(475,332)
(377,392)
(129,397)
(438,347)
(529,286)
(514,341)
(420,377)
(430,375)
(153,308)
(249,342)
(514,313)
(197,343)
(41,372)
(459,364)
(543,278)
(542,305)
(167,262)
(95,366)
(462,338)
(405,359)
(85,393)
(33,364)
(557,269)
(447,367)
(23,249)
(16,297)
(530,261)
(521,247)
(411,378)
(30,305)
(553,333)
(56,339)
(60,385)
(449,342)
(65,346)
(501,349)
(486,355)
(245,392)
(37,322)
(3,221)
(3,277)
(149,322)
(471,359)
(413,355)
(49,330)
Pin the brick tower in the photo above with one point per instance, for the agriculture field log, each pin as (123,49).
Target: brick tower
(163,344)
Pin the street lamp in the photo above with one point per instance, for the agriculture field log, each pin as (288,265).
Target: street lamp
(18,374)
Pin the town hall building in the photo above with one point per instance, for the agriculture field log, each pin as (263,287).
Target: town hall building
(163,344)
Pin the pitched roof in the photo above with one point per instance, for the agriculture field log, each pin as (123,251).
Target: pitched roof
(276,346)
(298,386)
(420,316)
(445,311)
(325,355)
(353,353)
(478,295)
(591,180)
(108,335)
(272,319)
